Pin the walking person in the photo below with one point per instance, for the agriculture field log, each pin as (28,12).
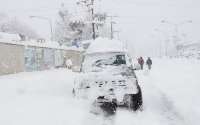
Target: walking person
(149,63)
(141,62)
(68,63)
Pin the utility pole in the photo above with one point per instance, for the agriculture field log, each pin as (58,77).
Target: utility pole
(111,26)
(88,4)
(93,23)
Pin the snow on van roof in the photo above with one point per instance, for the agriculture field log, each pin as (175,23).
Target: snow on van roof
(101,45)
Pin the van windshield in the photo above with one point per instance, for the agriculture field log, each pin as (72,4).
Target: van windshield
(96,62)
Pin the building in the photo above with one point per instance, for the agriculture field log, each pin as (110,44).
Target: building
(19,56)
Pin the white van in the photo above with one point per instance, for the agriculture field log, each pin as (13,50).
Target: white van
(107,77)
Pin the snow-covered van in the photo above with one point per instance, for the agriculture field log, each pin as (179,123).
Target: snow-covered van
(107,77)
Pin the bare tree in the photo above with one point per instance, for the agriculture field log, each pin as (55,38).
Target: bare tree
(13,25)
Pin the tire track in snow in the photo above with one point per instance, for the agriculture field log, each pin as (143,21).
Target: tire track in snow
(98,119)
(158,102)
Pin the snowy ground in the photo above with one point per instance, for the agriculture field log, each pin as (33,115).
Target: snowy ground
(170,92)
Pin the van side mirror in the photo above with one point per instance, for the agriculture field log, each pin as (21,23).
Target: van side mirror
(136,66)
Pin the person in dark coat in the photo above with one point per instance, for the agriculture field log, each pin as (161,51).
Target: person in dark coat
(149,63)
(141,62)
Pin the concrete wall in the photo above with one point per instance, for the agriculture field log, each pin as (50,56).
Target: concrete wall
(17,58)
(11,58)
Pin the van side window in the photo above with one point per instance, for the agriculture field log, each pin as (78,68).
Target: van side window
(120,59)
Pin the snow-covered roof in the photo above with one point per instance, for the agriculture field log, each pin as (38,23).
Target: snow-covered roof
(9,36)
(191,43)
(46,44)
(101,45)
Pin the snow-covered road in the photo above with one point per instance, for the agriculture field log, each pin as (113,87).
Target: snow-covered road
(170,92)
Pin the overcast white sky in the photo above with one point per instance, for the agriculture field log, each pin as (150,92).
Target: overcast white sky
(137,18)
